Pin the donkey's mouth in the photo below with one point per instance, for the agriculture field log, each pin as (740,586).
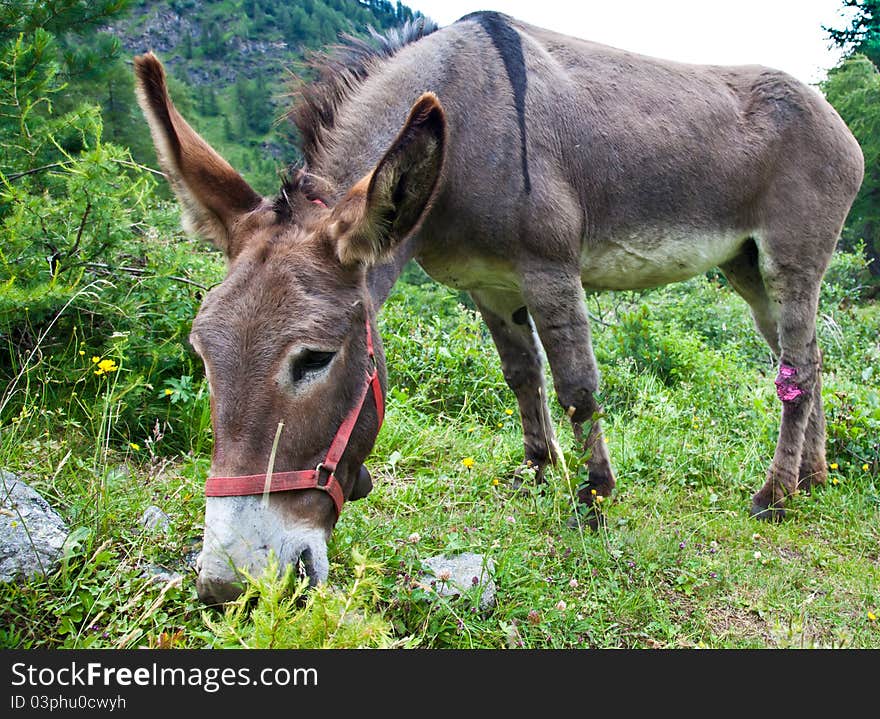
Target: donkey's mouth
(241,534)
(218,586)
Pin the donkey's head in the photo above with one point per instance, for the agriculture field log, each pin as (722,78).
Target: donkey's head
(286,337)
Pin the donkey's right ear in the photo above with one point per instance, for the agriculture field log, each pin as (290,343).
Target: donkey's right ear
(213,196)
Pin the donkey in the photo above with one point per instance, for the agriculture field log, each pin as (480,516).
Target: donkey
(522,166)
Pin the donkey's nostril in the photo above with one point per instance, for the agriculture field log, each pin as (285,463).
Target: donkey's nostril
(307,564)
(313,561)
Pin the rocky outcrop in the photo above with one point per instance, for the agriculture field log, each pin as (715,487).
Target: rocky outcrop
(32,534)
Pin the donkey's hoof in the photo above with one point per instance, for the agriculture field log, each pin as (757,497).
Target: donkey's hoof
(585,516)
(809,480)
(773,513)
(527,476)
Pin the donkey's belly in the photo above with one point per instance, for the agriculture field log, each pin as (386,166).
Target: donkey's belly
(655,257)
(630,262)
(469,272)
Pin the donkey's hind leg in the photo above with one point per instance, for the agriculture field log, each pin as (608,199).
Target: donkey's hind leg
(744,276)
(813,470)
(792,285)
(508,320)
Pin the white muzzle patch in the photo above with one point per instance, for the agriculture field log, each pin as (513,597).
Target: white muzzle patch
(240,532)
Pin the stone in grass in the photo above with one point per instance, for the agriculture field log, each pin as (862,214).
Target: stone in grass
(457,574)
(154,520)
(160,575)
(32,534)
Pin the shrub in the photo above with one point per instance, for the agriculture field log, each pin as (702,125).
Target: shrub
(83,271)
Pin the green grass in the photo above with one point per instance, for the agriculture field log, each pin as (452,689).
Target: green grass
(691,424)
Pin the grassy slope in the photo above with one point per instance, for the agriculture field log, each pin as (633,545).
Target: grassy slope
(691,425)
(260,156)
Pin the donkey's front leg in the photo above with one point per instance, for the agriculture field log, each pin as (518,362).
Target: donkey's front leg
(555,300)
(508,320)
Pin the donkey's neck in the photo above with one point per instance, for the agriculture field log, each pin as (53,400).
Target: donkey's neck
(366,124)
(381,278)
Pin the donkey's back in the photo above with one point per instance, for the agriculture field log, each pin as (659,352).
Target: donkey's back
(648,170)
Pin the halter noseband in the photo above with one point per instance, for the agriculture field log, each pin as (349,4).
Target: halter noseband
(323,476)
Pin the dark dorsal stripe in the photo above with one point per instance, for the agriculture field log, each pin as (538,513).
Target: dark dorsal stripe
(509,45)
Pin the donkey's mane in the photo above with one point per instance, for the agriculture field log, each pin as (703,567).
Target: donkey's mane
(338,71)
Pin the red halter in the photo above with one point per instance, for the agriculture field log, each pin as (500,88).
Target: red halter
(323,476)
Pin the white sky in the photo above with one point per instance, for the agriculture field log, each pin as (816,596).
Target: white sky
(784,34)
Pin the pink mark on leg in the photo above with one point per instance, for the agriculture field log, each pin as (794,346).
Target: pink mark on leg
(786,388)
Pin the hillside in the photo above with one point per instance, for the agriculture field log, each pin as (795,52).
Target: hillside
(232,61)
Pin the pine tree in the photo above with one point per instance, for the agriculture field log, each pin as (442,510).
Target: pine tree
(863,34)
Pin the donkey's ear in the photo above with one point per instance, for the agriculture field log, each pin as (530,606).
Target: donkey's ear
(212,195)
(387,205)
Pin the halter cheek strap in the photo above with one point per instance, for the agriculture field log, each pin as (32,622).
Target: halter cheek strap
(322,477)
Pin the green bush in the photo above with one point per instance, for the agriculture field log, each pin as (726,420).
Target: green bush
(664,350)
(97,284)
(847,278)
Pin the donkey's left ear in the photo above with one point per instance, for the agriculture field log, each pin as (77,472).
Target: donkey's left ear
(387,206)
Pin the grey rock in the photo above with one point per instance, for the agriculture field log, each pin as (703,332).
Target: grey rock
(459,573)
(191,558)
(154,520)
(160,575)
(32,534)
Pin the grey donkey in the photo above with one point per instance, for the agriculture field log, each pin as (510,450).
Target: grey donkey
(522,166)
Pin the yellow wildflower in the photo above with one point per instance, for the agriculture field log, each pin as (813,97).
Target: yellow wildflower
(872,617)
(496,482)
(468,462)
(508,412)
(82,352)
(106,366)
(168,391)
(865,467)
(833,465)
(96,359)
(835,481)
(135,446)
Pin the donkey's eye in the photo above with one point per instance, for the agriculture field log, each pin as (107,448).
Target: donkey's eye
(309,361)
